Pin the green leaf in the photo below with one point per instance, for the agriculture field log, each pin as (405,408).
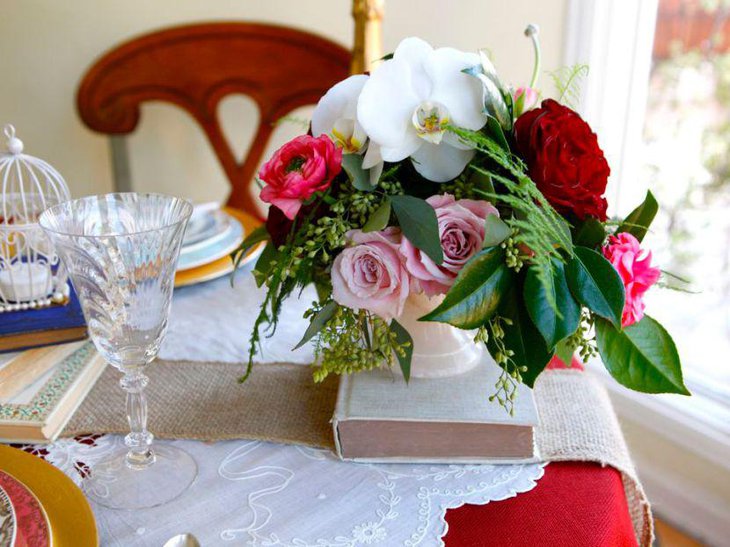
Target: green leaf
(419,224)
(639,220)
(379,219)
(402,337)
(264,264)
(318,322)
(257,236)
(476,293)
(596,284)
(554,326)
(496,133)
(642,356)
(590,233)
(522,337)
(360,178)
(494,104)
(480,179)
(323,288)
(564,352)
(495,231)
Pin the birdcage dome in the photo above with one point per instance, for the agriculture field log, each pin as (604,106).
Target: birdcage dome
(31,275)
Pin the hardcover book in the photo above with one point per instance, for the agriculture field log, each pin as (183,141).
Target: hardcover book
(42,327)
(38,406)
(380,418)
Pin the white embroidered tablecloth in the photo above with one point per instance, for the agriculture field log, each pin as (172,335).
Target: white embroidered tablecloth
(257,493)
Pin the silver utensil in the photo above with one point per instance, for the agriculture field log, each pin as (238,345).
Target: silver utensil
(182,540)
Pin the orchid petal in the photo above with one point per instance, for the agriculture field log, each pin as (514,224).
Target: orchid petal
(416,53)
(386,104)
(336,115)
(440,163)
(460,93)
(373,161)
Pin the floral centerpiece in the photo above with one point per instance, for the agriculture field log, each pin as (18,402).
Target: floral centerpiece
(430,180)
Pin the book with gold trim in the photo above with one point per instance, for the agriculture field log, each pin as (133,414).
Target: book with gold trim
(40,389)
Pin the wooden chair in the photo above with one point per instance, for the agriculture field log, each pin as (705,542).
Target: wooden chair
(194,67)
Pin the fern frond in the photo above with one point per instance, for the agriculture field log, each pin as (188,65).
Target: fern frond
(537,225)
(568,81)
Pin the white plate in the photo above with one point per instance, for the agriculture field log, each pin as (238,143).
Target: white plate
(218,225)
(206,222)
(214,248)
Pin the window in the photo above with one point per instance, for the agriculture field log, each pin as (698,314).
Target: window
(658,96)
(686,160)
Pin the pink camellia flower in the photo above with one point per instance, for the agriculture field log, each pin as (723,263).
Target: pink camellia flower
(370,275)
(297,170)
(634,266)
(461,228)
(529,101)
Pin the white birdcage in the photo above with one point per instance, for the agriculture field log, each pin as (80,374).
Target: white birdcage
(31,275)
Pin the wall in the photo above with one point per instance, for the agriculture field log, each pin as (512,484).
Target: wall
(46,45)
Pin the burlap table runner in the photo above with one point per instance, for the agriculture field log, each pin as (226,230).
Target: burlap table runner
(280,403)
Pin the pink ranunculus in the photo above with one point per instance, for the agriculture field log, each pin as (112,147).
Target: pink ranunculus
(461,228)
(297,170)
(633,265)
(370,274)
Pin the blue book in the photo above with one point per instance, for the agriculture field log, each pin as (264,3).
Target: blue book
(21,330)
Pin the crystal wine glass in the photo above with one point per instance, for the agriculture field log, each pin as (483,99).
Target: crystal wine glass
(121,252)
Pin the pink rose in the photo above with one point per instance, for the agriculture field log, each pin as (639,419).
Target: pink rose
(461,228)
(525,98)
(370,275)
(633,264)
(300,168)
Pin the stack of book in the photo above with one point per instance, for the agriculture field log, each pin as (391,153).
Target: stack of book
(46,370)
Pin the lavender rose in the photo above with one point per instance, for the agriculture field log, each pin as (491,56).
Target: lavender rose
(370,275)
(461,228)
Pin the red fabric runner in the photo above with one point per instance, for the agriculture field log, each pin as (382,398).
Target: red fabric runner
(574,504)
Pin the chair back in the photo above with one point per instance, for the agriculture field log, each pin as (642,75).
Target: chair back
(195,66)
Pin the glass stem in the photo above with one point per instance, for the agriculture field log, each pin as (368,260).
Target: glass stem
(139,440)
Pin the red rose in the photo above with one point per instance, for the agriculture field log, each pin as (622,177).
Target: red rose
(564,159)
(300,168)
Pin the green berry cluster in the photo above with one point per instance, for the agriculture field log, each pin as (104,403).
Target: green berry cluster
(459,188)
(353,341)
(513,256)
(511,376)
(583,339)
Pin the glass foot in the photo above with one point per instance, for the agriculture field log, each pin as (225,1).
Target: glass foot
(114,484)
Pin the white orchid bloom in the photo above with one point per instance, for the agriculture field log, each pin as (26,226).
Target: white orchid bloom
(336,116)
(406,104)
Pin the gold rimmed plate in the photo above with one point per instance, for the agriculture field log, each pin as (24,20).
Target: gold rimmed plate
(69,514)
(222,266)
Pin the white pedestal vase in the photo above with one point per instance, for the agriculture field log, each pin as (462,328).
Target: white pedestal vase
(439,350)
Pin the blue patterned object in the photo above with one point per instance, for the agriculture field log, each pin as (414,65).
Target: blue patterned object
(27,329)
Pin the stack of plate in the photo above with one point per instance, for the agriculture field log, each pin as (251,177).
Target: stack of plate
(211,236)
(40,506)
